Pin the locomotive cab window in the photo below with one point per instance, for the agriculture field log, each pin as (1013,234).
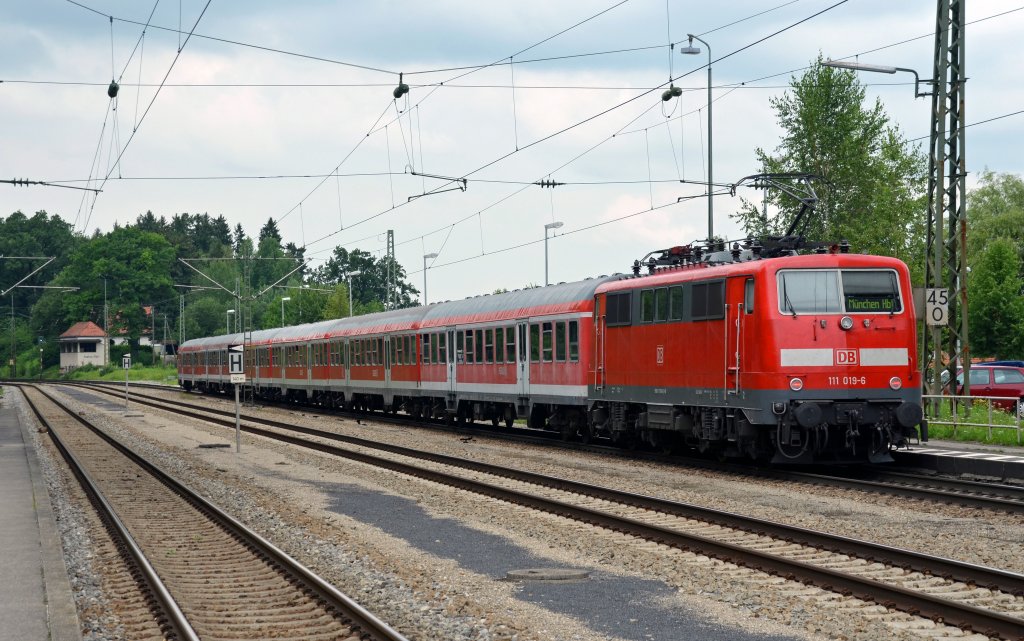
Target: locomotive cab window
(748,296)
(866,291)
(832,291)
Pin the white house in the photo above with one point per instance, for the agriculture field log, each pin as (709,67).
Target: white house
(84,343)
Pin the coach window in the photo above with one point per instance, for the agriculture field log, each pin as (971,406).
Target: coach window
(458,349)
(489,345)
(547,347)
(441,348)
(380,351)
(426,349)
(560,341)
(646,305)
(748,296)
(479,345)
(675,303)
(510,344)
(499,343)
(661,305)
(412,349)
(534,343)
(574,341)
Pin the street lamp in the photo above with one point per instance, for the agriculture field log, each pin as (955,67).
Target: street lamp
(691,50)
(282,308)
(859,66)
(546,228)
(350,276)
(227,320)
(426,257)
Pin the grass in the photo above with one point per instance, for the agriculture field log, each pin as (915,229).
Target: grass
(1000,429)
(167,375)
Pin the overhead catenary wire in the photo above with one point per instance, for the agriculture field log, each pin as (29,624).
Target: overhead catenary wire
(579,123)
(146,111)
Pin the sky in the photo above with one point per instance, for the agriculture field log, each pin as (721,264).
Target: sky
(258,109)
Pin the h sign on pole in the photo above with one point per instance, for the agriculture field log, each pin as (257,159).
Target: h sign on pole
(236,366)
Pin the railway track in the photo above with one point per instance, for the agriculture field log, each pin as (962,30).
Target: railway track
(990,496)
(210,576)
(969,596)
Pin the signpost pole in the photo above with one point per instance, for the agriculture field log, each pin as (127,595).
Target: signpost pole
(238,428)
(236,368)
(126,363)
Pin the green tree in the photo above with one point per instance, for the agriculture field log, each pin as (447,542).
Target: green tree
(136,265)
(38,235)
(370,287)
(996,302)
(875,182)
(995,210)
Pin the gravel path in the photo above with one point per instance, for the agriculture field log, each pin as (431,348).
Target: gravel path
(337,516)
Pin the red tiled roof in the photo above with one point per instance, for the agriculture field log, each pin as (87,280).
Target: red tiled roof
(85,329)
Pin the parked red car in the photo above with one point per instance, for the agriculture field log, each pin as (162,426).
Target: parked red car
(992,380)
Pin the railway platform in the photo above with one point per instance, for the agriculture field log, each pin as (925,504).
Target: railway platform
(35,594)
(959,458)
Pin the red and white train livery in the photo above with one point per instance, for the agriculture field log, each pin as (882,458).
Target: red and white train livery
(796,359)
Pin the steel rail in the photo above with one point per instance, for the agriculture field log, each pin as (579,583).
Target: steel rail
(176,619)
(353,613)
(967,493)
(1001,580)
(916,603)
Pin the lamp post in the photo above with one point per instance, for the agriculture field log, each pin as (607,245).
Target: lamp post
(282,308)
(555,225)
(426,257)
(691,50)
(227,320)
(351,275)
(859,66)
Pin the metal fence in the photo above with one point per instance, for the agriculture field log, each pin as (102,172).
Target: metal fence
(964,411)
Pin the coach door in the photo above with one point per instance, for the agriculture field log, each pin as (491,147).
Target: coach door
(523,358)
(736,321)
(452,359)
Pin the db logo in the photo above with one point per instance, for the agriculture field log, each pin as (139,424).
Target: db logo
(661,354)
(846,357)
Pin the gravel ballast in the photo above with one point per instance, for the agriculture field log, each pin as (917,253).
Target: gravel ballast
(437,572)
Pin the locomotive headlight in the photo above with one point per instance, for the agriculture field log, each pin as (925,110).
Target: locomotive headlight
(895,382)
(846,323)
(796,384)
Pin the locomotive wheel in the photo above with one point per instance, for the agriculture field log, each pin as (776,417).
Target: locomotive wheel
(509,422)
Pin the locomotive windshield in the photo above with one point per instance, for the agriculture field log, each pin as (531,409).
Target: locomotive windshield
(833,291)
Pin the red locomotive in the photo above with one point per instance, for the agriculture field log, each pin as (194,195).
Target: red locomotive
(791,358)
